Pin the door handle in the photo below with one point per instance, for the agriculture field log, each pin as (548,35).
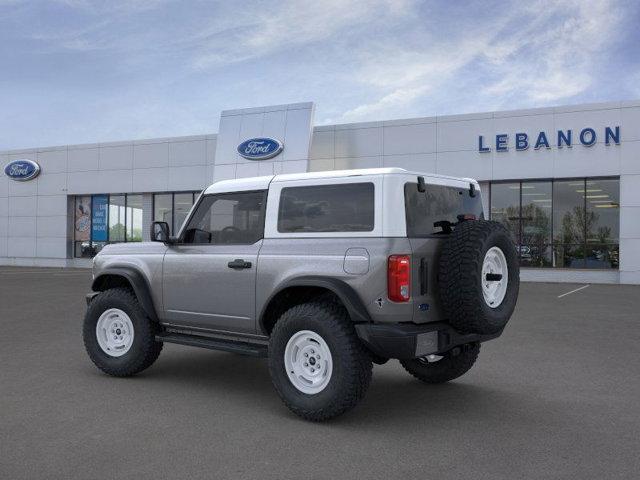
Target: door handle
(239,263)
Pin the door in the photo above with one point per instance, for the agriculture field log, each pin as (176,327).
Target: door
(209,275)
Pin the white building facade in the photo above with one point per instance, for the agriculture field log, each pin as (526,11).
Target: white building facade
(564,180)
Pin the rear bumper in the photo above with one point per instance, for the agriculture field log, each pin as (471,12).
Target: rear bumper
(404,341)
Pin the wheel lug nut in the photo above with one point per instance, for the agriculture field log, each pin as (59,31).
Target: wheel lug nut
(306,364)
(312,370)
(306,354)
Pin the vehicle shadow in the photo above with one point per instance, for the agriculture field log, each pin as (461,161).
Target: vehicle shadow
(394,398)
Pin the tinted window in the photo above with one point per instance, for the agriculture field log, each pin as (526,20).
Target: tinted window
(437,203)
(327,208)
(230,218)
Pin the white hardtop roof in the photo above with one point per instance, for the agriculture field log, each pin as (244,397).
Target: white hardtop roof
(262,183)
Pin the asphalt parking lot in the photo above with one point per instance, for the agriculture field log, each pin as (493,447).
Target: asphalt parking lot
(557,396)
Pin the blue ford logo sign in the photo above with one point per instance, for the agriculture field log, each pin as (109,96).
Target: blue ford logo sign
(22,170)
(260,148)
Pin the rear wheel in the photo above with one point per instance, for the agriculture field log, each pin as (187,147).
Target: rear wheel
(317,363)
(118,335)
(440,369)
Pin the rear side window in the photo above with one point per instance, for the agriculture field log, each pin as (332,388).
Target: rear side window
(347,207)
(437,203)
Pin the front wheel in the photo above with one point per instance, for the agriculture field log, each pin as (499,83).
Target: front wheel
(118,335)
(317,363)
(442,368)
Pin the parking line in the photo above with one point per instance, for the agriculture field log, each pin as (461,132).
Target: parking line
(573,291)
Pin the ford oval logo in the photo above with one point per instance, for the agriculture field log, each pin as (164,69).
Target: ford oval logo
(260,148)
(22,170)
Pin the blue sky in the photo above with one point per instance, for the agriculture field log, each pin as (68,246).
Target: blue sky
(76,71)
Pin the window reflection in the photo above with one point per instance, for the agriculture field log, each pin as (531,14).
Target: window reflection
(163,208)
(568,212)
(117,218)
(102,219)
(565,224)
(603,211)
(173,208)
(535,250)
(505,207)
(134,218)
(182,204)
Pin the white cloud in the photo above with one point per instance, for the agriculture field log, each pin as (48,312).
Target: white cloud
(544,53)
(288,24)
(555,63)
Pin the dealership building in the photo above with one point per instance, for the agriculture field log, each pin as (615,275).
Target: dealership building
(564,180)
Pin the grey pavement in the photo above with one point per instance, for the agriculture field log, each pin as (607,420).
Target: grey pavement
(557,396)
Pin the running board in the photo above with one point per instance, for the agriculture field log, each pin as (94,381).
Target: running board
(254,350)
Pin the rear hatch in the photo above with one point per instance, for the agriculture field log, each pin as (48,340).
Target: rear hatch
(430,216)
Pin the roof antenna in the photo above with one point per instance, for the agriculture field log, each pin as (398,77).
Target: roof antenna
(472,190)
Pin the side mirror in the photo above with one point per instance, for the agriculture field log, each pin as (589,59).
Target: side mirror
(160,232)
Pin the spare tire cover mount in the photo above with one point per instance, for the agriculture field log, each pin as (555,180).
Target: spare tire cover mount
(495,277)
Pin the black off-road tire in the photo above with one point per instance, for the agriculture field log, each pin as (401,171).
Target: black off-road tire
(144,349)
(454,364)
(460,277)
(351,362)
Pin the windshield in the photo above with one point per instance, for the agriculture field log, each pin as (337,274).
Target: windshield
(438,203)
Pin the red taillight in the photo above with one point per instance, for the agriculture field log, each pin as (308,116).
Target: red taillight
(399,278)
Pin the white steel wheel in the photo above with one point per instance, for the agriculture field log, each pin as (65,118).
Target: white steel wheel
(308,362)
(114,332)
(495,277)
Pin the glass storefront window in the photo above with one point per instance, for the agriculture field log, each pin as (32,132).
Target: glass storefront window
(568,212)
(603,211)
(163,208)
(564,224)
(82,227)
(182,203)
(134,218)
(173,208)
(603,223)
(103,219)
(536,198)
(505,207)
(117,218)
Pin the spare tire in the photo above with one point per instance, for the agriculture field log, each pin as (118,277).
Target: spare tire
(479,277)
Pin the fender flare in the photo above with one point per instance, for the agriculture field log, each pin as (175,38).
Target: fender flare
(347,295)
(137,281)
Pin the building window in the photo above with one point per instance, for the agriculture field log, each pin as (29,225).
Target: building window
(173,208)
(82,227)
(103,219)
(134,218)
(564,223)
(163,208)
(535,224)
(117,218)
(505,207)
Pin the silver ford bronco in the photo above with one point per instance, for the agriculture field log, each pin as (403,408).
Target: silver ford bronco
(322,273)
